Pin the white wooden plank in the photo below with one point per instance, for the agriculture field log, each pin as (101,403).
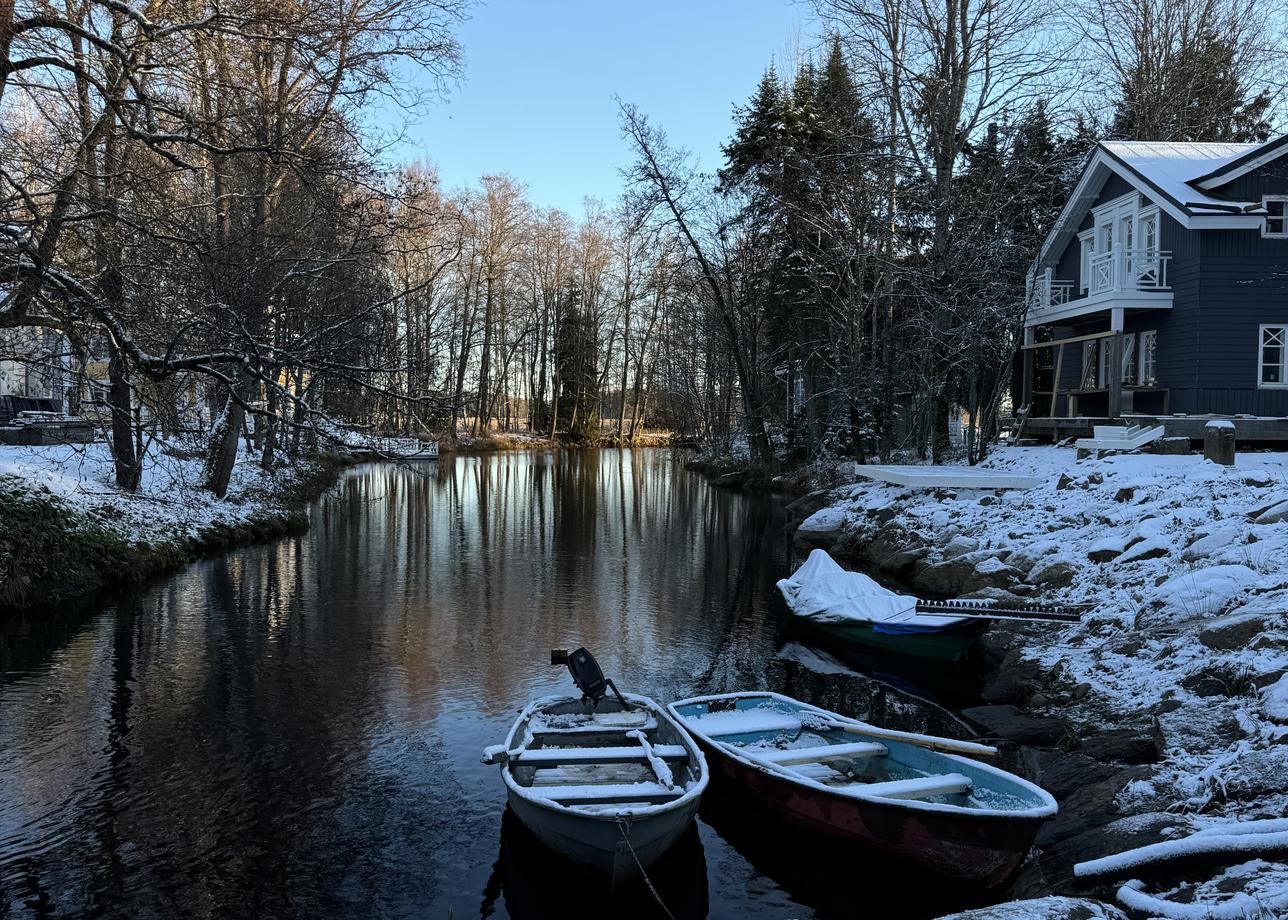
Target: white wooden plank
(608,792)
(824,753)
(947,477)
(921,788)
(551,757)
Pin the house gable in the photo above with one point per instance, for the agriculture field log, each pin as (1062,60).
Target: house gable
(1253,161)
(1159,173)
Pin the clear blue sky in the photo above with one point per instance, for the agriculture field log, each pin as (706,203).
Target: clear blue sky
(537,97)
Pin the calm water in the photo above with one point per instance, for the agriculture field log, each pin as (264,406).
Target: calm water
(294,730)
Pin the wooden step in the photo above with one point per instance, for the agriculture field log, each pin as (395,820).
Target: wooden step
(921,788)
(608,793)
(575,756)
(824,753)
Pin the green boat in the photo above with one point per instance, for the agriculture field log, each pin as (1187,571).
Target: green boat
(949,645)
(850,608)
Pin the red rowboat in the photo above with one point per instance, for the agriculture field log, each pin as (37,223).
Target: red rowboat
(896,792)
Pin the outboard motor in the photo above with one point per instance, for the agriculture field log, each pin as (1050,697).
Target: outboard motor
(587,675)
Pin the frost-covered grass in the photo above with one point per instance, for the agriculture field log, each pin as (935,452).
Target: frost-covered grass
(68,529)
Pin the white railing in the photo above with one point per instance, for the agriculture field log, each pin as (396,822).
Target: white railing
(1128,270)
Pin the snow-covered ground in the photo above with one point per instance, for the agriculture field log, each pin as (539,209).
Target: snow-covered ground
(1187,564)
(170,503)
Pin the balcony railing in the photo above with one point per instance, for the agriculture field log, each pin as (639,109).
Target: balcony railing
(1117,271)
(1128,270)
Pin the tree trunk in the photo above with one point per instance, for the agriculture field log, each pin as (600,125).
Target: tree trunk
(120,399)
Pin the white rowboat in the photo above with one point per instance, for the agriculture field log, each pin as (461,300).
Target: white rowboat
(608,787)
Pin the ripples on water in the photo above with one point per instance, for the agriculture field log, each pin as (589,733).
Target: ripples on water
(294,729)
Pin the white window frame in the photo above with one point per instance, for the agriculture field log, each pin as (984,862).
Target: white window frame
(1149,218)
(1282,345)
(1147,370)
(1266,232)
(1086,249)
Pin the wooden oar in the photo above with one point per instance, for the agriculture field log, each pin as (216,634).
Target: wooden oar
(814,721)
(1012,610)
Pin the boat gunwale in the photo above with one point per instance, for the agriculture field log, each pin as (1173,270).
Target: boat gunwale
(1037,813)
(697,759)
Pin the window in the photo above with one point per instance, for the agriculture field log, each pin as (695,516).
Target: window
(1276,216)
(1088,379)
(1129,358)
(1148,347)
(1087,249)
(1149,232)
(1274,348)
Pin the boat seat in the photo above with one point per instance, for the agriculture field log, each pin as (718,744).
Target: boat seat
(746,722)
(920,788)
(575,756)
(580,733)
(824,753)
(609,793)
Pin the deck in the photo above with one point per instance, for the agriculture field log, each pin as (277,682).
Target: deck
(1248,428)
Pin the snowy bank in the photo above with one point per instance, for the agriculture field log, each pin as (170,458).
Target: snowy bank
(1180,669)
(68,530)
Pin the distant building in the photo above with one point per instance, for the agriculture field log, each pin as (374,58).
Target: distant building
(1162,292)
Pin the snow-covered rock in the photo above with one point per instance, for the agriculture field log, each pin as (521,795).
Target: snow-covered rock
(1274,701)
(1198,594)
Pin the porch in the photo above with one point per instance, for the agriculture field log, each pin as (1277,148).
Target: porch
(1249,429)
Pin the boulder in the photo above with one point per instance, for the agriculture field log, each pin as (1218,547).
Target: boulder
(1061,773)
(1088,807)
(1102,838)
(822,528)
(959,546)
(1015,680)
(1125,494)
(991,573)
(943,579)
(806,505)
(1275,514)
(1121,745)
(1172,446)
(1009,724)
(1058,573)
(1233,632)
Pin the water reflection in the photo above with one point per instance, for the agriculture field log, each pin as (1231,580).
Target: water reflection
(294,729)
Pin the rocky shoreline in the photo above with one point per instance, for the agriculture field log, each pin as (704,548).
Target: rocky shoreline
(1145,720)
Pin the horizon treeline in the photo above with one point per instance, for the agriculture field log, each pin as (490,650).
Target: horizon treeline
(201,232)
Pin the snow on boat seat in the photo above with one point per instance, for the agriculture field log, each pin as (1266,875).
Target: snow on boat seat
(824,753)
(564,757)
(746,722)
(588,730)
(921,788)
(608,793)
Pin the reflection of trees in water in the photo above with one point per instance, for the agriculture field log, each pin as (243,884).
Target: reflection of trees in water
(282,730)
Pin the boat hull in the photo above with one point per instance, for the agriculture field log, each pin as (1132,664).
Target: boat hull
(977,850)
(950,645)
(617,841)
(600,843)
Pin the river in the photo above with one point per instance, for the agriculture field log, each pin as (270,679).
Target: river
(294,729)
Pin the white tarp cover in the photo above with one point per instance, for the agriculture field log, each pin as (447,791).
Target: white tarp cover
(826,593)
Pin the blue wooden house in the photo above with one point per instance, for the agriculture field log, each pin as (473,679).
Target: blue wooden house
(1162,293)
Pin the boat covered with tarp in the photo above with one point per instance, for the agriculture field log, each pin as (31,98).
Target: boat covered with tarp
(850,607)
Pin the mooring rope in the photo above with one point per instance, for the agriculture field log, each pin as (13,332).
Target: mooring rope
(624,825)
